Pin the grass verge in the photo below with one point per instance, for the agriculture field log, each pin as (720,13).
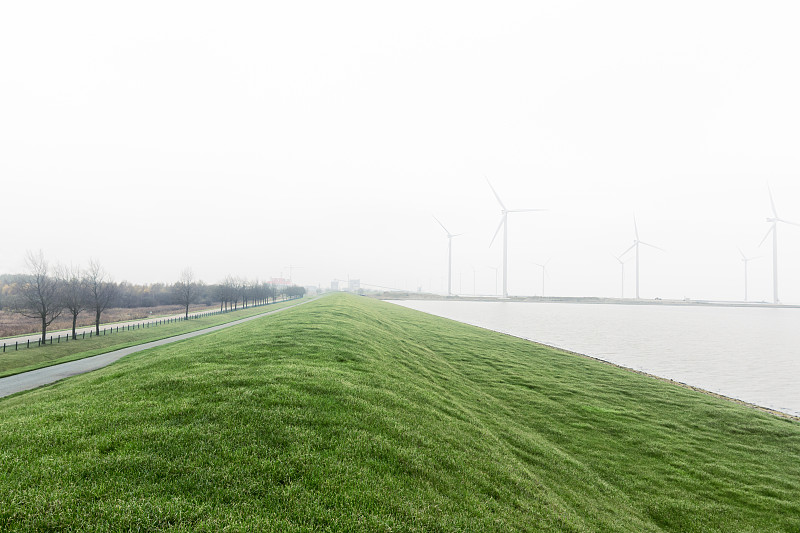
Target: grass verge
(349,414)
(15,362)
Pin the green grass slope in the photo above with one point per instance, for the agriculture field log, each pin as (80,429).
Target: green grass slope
(348,414)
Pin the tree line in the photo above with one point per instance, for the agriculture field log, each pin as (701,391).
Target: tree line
(46,292)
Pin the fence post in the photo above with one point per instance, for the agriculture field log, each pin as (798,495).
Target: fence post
(29,343)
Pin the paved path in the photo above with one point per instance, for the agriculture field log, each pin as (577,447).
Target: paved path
(43,376)
(63,333)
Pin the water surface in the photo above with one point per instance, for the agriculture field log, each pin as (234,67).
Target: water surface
(752,354)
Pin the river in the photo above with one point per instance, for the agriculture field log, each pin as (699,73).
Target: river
(752,354)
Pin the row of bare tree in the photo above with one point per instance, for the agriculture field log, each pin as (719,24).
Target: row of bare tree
(233,290)
(47,292)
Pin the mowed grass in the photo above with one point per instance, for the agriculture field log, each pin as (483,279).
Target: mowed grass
(26,359)
(349,414)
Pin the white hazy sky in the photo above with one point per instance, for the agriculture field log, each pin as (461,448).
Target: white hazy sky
(244,137)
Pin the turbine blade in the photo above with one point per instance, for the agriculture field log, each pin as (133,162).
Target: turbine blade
(652,246)
(744,257)
(788,222)
(635,227)
(629,249)
(772,202)
(771,228)
(442,225)
(496,195)
(502,219)
(524,210)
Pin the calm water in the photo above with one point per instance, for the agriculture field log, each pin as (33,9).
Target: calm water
(752,354)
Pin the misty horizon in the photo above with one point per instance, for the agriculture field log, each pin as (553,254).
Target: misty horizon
(326,138)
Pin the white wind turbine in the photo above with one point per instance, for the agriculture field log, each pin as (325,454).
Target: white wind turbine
(774,229)
(504,224)
(636,243)
(745,260)
(544,271)
(622,281)
(449,255)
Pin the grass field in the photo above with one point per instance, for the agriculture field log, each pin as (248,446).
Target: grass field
(14,324)
(349,414)
(13,362)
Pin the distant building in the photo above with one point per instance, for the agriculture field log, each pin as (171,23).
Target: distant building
(280,283)
(335,285)
(353,285)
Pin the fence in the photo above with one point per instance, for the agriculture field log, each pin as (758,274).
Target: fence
(110,330)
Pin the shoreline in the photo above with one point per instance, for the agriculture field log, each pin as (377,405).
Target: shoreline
(744,403)
(579,300)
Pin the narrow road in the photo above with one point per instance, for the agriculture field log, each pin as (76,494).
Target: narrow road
(44,376)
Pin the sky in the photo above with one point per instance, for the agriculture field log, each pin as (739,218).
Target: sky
(246,138)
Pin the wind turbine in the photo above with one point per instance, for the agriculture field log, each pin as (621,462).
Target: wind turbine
(745,260)
(622,282)
(636,243)
(544,270)
(774,229)
(504,224)
(449,255)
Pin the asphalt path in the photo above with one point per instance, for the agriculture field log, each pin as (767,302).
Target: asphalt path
(63,333)
(44,376)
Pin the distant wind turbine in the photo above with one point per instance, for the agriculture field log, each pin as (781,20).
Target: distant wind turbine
(622,281)
(745,260)
(774,229)
(544,271)
(636,243)
(504,224)
(449,255)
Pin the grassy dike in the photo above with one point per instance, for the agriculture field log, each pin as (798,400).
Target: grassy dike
(349,414)
(26,359)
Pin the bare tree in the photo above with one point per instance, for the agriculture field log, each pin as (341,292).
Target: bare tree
(221,292)
(75,293)
(101,291)
(40,295)
(187,290)
(233,284)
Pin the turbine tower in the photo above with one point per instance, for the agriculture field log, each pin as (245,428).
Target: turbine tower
(745,260)
(622,282)
(449,256)
(636,243)
(544,270)
(504,224)
(774,229)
